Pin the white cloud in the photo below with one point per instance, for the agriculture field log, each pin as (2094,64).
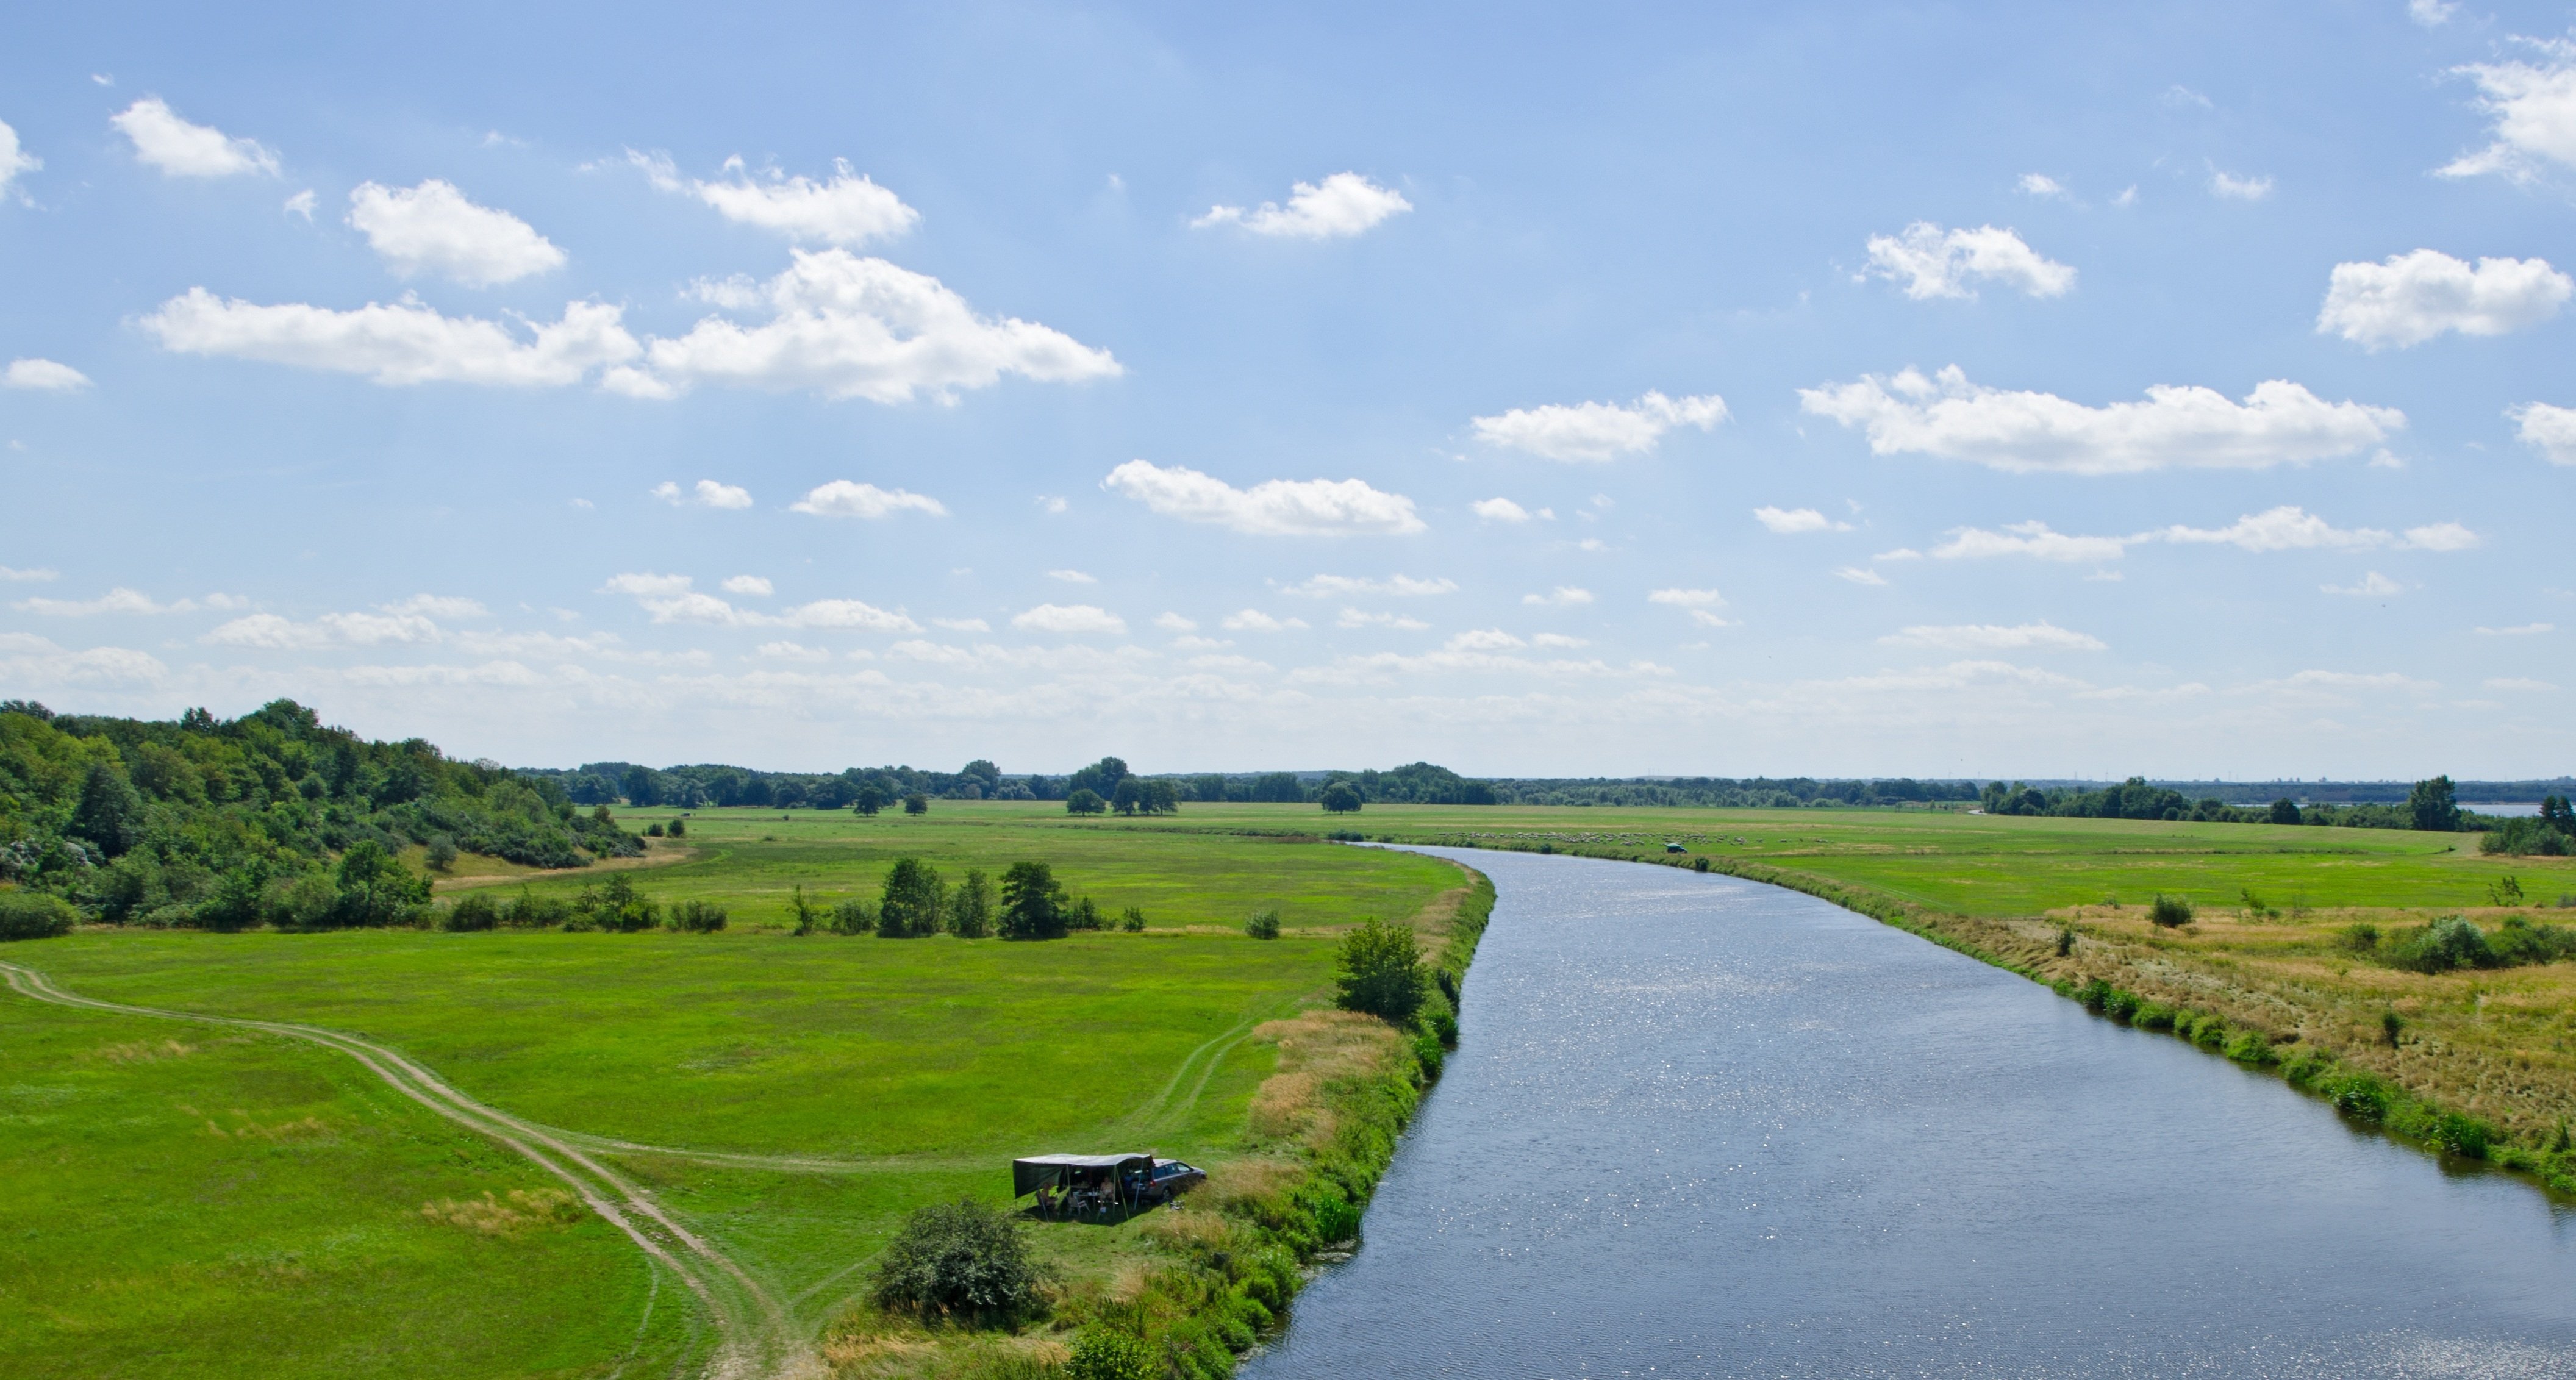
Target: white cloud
(848,327)
(1788,521)
(1350,586)
(1558,640)
(1688,598)
(2229,187)
(2525,630)
(2518,683)
(2431,14)
(2176,427)
(2370,585)
(1972,637)
(1072,577)
(1860,576)
(44,375)
(847,210)
(432,228)
(1596,431)
(2549,430)
(406,343)
(1343,204)
(1256,621)
(118,600)
(2033,539)
(843,498)
(1274,507)
(303,203)
(1564,596)
(748,584)
(792,651)
(708,494)
(1173,622)
(1482,640)
(2412,298)
(2534,107)
(1354,618)
(13,574)
(181,149)
(1499,510)
(1932,262)
(13,158)
(2041,184)
(1070,619)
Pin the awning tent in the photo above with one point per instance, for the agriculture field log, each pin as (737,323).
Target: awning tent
(1042,1171)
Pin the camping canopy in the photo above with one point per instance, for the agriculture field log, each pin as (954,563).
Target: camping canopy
(1038,1171)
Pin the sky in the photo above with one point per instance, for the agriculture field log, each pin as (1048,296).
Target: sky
(1935,390)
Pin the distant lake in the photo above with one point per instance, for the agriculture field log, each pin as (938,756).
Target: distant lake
(1702,1127)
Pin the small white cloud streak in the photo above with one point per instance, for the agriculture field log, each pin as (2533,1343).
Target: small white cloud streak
(1274,507)
(1342,205)
(181,149)
(1596,432)
(1932,262)
(2412,298)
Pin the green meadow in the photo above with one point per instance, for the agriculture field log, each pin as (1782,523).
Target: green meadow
(191,1200)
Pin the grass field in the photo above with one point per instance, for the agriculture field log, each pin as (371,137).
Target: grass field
(194,1200)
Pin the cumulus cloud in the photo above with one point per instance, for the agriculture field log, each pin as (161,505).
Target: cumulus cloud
(180,149)
(1595,431)
(2412,298)
(1254,620)
(845,498)
(748,584)
(2371,585)
(2174,428)
(1789,521)
(2533,105)
(405,343)
(1274,507)
(1349,586)
(848,327)
(44,376)
(1342,205)
(432,228)
(1932,262)
(1499,510)
(1070,619)
(1563,596)
(14,159)
(1354,618)
(707,494)
(2549,430)
(847,210)
(1972,637)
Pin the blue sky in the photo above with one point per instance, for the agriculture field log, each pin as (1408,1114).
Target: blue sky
(1876,390)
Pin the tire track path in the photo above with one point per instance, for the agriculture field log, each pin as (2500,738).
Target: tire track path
(758,1337)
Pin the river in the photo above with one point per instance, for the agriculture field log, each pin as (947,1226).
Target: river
(1698,1126)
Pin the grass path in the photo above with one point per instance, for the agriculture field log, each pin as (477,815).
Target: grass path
(757,1336)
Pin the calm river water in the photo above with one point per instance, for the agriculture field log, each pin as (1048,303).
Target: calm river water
(1699,1126)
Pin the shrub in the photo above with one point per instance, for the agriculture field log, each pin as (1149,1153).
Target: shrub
(1132,920)
(35,915)
(1380,971)
(2169,912)
(698,917)
(959,1259)
(1101,1354)
(1264,924)
(853,917)
(473,911)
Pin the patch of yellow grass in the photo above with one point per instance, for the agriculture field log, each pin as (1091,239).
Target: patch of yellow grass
(528,1209)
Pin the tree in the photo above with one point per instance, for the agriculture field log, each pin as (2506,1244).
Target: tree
(1101,778)
(2434,805)
(1380,971)
(2285,811)
(916,803)
(1340,798)
(1279,787)
(913,900)
(110,814)
(970,906)
(1084,802)
(1032,902)
(1129,797)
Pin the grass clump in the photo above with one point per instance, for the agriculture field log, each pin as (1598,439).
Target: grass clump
(965,1261)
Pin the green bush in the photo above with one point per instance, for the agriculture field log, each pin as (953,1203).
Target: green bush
(2169,912)
(965,1259)
(35,915)
(698,917)
(473,911)
(1102,1354)
(1264,924)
